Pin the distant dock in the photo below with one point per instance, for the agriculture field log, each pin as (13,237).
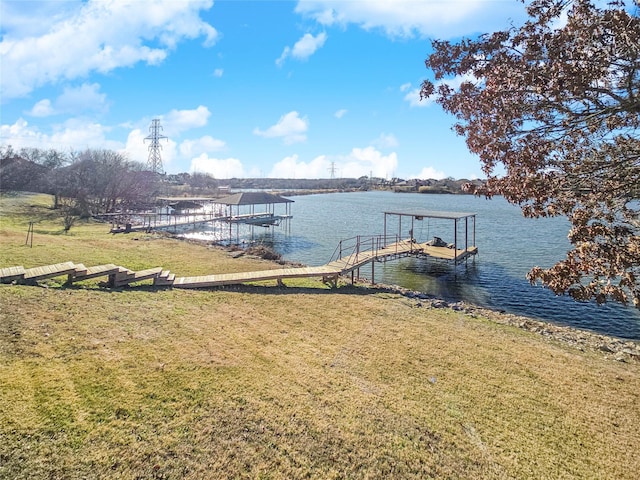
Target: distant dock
(180,213)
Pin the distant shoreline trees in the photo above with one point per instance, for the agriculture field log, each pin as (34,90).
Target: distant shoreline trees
(552,109)
(102,181)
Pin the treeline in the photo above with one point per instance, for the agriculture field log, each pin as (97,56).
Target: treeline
(94,181)
(200,181)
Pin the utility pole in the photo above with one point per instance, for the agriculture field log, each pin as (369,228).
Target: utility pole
(332,170)
(154,162)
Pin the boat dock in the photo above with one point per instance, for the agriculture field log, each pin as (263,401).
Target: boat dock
(350,257)
(181,213)
(154,221)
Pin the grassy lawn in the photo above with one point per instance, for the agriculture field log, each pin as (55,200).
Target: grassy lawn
(294,382)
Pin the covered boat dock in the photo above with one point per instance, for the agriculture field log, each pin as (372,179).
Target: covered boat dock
(179,213)
(464,232)
(245,210)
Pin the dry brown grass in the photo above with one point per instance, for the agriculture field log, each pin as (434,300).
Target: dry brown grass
(300,382)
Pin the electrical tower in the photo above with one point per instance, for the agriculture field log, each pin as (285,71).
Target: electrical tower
(332,170)
(154,162)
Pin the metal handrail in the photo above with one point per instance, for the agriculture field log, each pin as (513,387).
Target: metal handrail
(350,249)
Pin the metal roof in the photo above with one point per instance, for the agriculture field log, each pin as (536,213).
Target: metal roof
(188,199)
(431,214)
(252,198)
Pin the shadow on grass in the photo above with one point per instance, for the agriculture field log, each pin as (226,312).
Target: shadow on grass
(347,289)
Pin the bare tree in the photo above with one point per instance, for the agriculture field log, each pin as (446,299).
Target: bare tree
(70,212)
(553,111)
(102,181)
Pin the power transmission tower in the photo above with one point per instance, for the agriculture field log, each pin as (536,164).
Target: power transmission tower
(332,170)
(154,162)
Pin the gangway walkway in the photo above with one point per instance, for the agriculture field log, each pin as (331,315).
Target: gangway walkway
(350,255)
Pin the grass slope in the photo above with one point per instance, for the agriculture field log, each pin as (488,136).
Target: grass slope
(297,382)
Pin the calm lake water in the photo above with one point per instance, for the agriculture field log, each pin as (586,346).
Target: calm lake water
(508,245)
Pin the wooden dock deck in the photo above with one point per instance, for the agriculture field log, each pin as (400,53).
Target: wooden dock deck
(446,253)
(120,276)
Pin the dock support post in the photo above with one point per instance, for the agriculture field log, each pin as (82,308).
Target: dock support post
(373,273)
(455,241)
(466,234)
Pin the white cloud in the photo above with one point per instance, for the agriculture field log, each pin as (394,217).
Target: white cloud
(218,72)
(23,19)
(340,113)
(136,148)
(303,48)
(406,18)
(94,36)
(290,127)
(307,45)
(217,167)
(74,134)
(358,163)
(386,140)
(173,125)
(20,135)
(80,133)
(291,167)
(86,97)
(43,108)
(206,144)
(366,161)
(429,173)
(177,121)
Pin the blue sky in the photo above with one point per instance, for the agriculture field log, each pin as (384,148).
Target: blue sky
(257,88)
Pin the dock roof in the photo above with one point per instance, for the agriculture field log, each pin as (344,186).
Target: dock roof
(252,198)
(187,199)
(431,214)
